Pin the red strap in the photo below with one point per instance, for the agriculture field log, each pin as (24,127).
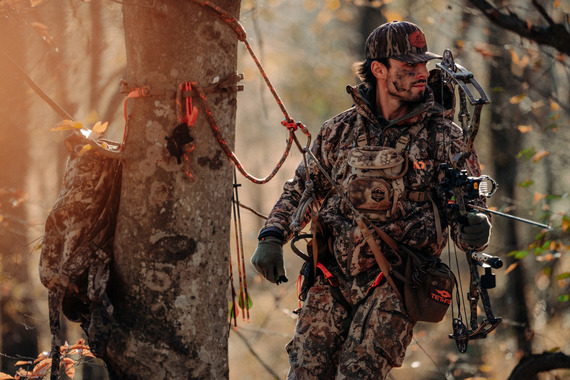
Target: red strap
(299,284)
(376,282)
(190,112)
(328,275)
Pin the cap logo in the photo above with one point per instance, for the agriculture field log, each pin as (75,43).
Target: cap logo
(417,39)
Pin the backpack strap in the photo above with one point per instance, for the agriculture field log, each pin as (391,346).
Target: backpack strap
(55,298)
(381,260)
(404,140)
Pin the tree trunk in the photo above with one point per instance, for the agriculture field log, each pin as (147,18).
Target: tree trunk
(506,145)
(170,272)
(16,304)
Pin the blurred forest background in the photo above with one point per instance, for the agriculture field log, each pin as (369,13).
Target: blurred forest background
(74,50)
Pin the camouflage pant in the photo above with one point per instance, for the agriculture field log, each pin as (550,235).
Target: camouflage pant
(328,346)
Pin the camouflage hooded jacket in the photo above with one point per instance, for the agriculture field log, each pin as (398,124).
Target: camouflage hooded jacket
(437,141)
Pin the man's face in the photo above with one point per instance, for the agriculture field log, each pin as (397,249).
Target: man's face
(407,82)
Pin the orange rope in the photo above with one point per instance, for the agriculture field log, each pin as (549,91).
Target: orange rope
(226,148)
(242,36)
(289,123)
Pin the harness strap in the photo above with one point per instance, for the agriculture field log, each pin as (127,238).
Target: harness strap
(404,140)
(314,217)
(381,260)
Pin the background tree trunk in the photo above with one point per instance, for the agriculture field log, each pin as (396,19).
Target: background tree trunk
(506,145)
(170,274)
(16,304)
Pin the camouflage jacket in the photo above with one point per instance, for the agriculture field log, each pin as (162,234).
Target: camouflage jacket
(438,141)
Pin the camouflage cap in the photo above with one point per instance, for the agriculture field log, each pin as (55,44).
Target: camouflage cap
(398,40)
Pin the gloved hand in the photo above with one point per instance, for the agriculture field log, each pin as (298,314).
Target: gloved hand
(268,260)
(475,230)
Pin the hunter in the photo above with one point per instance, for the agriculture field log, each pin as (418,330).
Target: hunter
(385,154)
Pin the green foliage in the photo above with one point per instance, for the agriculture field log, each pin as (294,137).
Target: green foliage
(527,153)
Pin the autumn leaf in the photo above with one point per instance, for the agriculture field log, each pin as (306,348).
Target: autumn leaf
(69,367)
(540,155)
(84,150)
(43,355)
(538,196)
(393,16)
(79,344)
(42,367)
(333,4)
(510,268)
(67,125)
(524,128)
(484,51)
(100,128)
(565,223)
(22,362)
(4,376)
(517,99)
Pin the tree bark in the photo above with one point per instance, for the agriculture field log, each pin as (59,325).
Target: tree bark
(170,272)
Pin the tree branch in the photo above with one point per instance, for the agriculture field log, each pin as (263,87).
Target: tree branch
(530,365)
(252,351)
(554,35)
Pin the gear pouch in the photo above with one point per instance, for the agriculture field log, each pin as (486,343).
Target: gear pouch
(428,288)
(374,184)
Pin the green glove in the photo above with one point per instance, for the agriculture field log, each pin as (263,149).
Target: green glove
(268,260)
(475,230)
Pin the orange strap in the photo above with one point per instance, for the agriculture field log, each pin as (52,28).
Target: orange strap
(139,92)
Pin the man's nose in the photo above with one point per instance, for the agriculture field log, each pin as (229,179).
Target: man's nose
(422,71)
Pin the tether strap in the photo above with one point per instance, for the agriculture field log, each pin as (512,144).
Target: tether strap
(383,263)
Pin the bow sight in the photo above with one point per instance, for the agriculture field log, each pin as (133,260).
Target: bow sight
(459,190)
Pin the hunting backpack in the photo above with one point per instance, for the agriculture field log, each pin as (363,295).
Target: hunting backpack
(78,244)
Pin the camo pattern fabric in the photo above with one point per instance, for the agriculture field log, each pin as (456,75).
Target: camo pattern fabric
(374,341)
(438,141)
(399,40)
(78,240)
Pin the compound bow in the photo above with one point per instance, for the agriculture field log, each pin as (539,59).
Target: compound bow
(458,190)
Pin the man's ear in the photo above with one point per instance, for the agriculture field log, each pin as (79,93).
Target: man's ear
(378,69)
